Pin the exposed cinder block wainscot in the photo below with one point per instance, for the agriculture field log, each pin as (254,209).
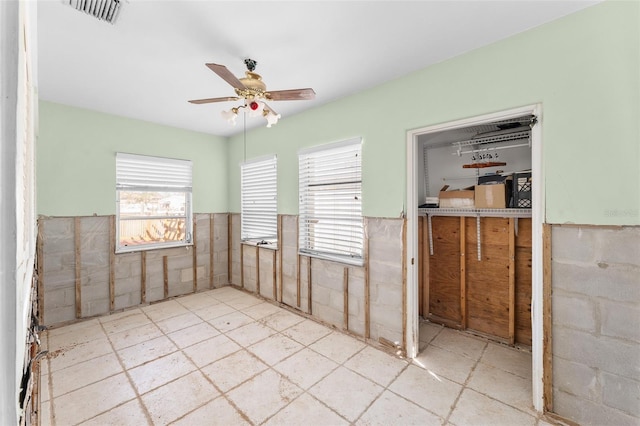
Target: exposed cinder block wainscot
(596,324)
(80,276)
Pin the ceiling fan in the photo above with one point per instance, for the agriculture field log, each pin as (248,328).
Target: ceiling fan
(252,89)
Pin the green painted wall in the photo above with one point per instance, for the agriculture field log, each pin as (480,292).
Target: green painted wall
(75,161)
(585,71)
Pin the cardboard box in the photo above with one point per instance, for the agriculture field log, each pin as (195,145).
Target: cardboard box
(460,199)
(491,196)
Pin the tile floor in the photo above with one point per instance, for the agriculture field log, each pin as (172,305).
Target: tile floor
(226,357)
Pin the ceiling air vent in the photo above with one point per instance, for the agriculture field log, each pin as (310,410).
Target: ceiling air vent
(105,10)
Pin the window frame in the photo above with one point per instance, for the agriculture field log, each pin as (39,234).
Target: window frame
(337,175)
(150,176)
(259,175)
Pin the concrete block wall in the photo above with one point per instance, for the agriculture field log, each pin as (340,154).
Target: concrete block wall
(289,252)
(80,247)
(94,271)
(596,324)
(384,277)
(235,231)
(57,268)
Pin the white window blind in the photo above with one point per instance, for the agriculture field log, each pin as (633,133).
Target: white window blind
(144,173)
(259,199)
(330,179)
(153,207)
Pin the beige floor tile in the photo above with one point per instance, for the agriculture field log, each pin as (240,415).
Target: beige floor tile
(178,322)
(436,394)
(460,343)
(225,294)
(163,310)
(229,372)
(231,321)
(149,350)
(275,348)
(160,371)
(215,311)
(43,336)
(307,332)
(476,409)
(506,387)
(376,365)
(306,410)
(243,302)
(76,327)
(445,364)
(193,334)
(89,386)
(282,320)
(306,368)
(75,336)
(127,414)
(123,321)
(84,373)
(174,400)
(390,409)
(512,360)
(251,333)
(217,412)
(428,331)
(44,380)
(197,301)
(264,395)
(44,415)
(208,351)
(66,356)
(134,336)
(261,310)
(89,401)
(346,392)
(337,346)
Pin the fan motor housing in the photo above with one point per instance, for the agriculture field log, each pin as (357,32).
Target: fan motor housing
(255,87)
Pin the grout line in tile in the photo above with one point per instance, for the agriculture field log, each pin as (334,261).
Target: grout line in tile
(466,382)
(135,390)
(385,388)
(52,413)
(199,369)
(221,393)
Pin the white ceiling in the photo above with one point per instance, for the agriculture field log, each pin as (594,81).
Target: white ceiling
(151,61)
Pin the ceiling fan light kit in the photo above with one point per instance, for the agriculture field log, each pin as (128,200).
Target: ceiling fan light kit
(253,90)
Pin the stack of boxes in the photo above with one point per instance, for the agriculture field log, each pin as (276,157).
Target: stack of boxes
(493,191)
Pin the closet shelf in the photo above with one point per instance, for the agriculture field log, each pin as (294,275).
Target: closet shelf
(475,212)
(493,139)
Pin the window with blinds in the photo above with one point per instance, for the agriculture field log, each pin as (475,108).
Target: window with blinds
(259,200)
(153,202)
(330,179)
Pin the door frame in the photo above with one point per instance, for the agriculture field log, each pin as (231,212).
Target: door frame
(538,217)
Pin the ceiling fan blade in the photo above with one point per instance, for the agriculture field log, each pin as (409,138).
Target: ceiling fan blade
(226,75)
(291,95)
(211,100)
(269,108)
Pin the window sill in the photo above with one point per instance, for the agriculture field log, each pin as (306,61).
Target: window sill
(264,244)
(359,262)
(133,249)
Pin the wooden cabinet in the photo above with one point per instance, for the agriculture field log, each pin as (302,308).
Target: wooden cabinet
(482,287)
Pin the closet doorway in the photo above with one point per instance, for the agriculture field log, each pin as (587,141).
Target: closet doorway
(468,142)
